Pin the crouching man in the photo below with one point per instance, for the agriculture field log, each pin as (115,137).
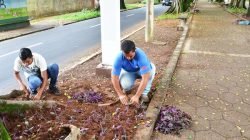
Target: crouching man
(36,72)
(130,64)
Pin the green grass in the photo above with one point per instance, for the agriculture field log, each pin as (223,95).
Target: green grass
(79,16)
(155,1)
(237,10)
(135,5)
(12,108)
(13,13)
(167,16)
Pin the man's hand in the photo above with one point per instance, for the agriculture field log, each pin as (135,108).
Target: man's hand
(24,88)
(38,95)
(123,99)
(135,99)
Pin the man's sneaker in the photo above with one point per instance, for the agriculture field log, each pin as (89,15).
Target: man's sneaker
(145,98)
(32,93)
(54,90)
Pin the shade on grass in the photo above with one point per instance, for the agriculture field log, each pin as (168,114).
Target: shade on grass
(167,16)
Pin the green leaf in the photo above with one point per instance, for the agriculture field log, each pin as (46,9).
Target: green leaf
(4,135)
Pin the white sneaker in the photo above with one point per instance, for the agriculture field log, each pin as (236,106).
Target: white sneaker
(145,98)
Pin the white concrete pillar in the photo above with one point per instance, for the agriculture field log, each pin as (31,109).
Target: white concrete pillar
(149,23)
(110,30)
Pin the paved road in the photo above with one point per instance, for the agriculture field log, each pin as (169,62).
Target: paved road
(61,44)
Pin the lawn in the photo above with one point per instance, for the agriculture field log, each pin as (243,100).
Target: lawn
(78,16)
(135,5)
(167,16)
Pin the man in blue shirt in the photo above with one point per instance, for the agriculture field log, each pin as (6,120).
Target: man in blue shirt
(130,64)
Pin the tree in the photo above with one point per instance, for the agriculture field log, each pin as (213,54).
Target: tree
(232,3)
(243,4)
(248,11)
(97,5)
(122,4)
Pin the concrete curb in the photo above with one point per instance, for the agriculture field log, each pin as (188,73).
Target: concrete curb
(145,132)
(27,33)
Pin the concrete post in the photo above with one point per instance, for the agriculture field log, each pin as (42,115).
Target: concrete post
(110,34)
(149,28)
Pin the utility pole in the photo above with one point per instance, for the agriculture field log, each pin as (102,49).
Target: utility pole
(149,29)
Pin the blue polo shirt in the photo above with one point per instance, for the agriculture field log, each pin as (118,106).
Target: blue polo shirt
(140,63)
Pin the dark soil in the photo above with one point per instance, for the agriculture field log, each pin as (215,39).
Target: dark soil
(106,122)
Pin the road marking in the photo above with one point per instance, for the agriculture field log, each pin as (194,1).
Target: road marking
(95,25)
(130,15)
(217,53)
(187,49)
(31,46)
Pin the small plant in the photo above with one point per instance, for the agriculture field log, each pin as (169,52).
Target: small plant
(88,97)
(3,132)
(172,120)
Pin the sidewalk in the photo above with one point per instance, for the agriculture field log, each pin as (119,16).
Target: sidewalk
(36,26)
(212,78)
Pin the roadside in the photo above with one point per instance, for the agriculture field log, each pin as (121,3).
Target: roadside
(47,23)
(82,78)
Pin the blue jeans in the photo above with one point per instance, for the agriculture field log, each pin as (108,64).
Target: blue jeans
(35,81)
(127,79)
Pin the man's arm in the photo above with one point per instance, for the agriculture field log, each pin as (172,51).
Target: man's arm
(141,88)
(115,81)
(43,86)
(20,82)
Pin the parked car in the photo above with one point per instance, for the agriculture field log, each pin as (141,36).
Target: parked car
(166,2)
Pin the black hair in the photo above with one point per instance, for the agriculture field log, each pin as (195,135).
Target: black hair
(127,46)
(25,53)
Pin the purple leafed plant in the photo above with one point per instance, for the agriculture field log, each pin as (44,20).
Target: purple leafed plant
(172,120)
(88,97)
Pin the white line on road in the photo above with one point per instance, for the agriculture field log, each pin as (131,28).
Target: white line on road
(31,46)
(130,15)
(95,25)
(217,53)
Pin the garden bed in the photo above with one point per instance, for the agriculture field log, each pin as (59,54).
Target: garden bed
(96,122)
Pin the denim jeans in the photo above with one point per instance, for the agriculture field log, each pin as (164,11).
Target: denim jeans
(35,81)
(127,79)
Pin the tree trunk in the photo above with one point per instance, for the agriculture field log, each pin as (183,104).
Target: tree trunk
(232,3)
(122,4)
(243,4)
(177,9)
(248,11)
(238,3)
(97,5)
